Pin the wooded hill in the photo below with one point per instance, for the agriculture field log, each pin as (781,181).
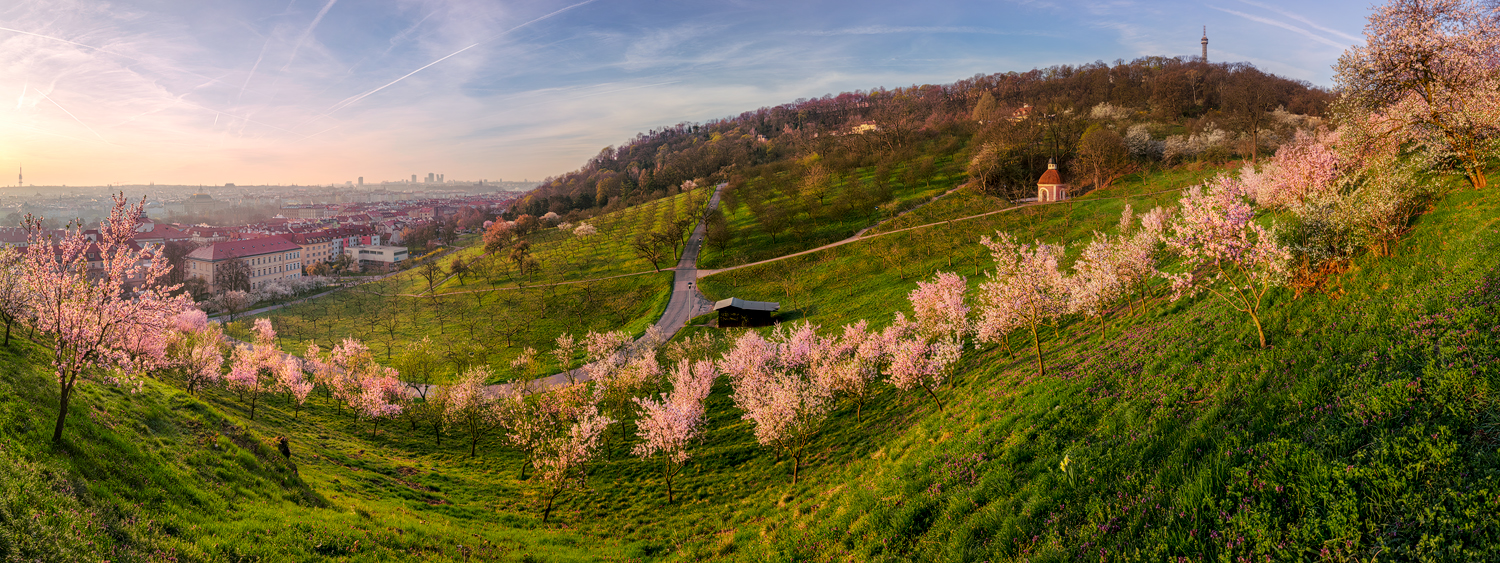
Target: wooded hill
(1164,108)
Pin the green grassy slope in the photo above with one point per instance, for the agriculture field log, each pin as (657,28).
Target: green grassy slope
(162,476)
(1368,431)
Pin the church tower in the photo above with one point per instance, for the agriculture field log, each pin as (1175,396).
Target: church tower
(1205,44)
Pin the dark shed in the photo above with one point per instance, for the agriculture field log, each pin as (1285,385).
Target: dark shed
(739,312)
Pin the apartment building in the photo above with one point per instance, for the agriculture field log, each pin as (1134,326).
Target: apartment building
(267,258)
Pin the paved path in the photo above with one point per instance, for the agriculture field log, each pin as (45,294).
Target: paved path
(686,302)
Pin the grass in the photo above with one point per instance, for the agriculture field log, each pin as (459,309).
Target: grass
(159,475)
(1369,431)
(751,242)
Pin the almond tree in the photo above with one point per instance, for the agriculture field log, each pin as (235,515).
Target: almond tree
(291,379)
(566,348)
(775,385)
(471,407)
(563,460)
(196,348)
(1429,66)
(530,422)
(1025,290)
(13,295)
(670,424)
(255,366)
(852,363)
(922,350)
(1224,250)
(381,395)
(102,301)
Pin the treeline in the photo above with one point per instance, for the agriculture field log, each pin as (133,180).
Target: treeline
(1053,107)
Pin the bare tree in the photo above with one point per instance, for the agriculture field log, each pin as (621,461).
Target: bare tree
(1103,153)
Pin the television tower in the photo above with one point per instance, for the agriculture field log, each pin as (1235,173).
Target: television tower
(1205,44)
(19,176)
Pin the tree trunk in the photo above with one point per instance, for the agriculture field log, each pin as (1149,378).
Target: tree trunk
(548,512)
(934,396)
(62,410)
(1041,369)
(1258,329)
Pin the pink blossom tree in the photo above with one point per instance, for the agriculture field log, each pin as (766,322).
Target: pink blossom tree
(566,349)
(1224,251)
(1429,66)
(196,349)
(852,363)
(529,422)
(13,294)
(103,302)
(1025,290)
(255,366)
(563,460)
(293,380)
(775,384)
(471,407)
(921,354)
(381,396)
(670,424)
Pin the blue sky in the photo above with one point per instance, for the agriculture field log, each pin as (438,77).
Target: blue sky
(320,91)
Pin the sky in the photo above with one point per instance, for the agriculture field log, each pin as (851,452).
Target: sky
(326,91)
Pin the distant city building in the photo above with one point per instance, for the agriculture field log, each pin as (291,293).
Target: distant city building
(268,259)
(202,203)
(413,178)
(361,180)
(377,254)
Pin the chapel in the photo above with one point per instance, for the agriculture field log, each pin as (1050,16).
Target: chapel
(1051,186)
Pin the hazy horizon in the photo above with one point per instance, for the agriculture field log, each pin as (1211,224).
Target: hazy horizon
(324,92)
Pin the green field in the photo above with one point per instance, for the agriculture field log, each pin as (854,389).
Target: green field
(808,228)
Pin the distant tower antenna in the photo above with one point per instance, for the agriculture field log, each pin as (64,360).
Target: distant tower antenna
(1205,44)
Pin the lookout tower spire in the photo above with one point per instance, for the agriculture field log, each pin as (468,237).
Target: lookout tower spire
(1204,42)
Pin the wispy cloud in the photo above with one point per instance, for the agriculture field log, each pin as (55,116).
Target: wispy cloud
(1308,22)
(1283,25)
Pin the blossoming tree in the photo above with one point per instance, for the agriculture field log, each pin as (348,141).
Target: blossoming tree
(1429,67)
(1025,290)
(775,385)
(670,424)
(104,302)
(1224,250)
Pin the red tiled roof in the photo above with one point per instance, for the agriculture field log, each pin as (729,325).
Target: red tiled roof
(1050,177)
(158,230)
(242,248)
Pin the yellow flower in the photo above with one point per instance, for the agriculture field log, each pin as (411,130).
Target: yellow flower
(1064,465)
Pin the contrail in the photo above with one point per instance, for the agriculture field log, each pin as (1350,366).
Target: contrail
(298,46)
(75,118)
(1305,20)
(348,101)
(69,42)
(252,70)
(1284,25)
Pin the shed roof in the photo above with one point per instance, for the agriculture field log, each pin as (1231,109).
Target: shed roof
(737,303)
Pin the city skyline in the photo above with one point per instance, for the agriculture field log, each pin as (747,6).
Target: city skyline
(322,92)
